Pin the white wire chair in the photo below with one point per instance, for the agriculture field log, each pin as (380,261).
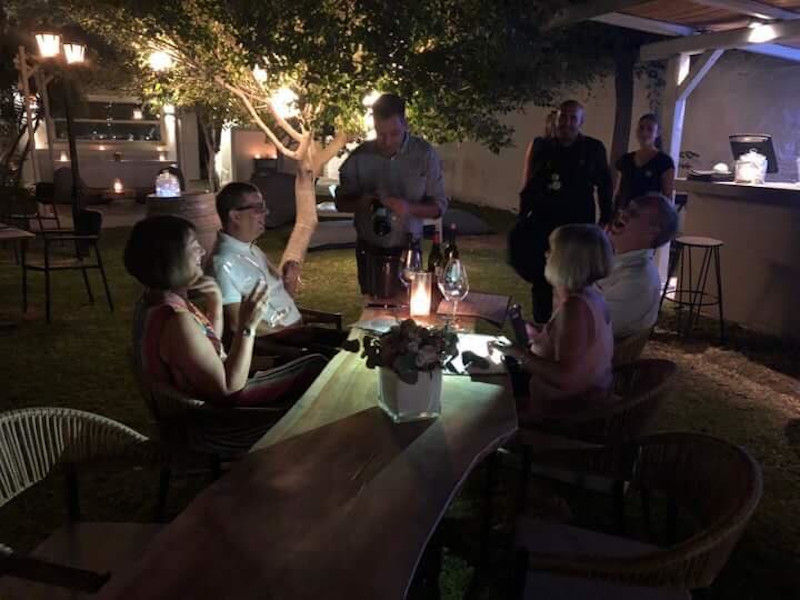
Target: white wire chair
(33,442)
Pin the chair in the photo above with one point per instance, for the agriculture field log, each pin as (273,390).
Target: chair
(629,348)
(192,431)
(640,388)
(78,556)
(718,485)
(86,237)
(691,292)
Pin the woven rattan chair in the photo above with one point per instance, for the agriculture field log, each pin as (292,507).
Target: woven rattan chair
(716,483)
(629,349)
(640,388)
(78,556)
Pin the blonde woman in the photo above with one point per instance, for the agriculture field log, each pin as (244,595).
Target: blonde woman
(569,359)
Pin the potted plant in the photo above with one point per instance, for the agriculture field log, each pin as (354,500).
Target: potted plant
(409,359)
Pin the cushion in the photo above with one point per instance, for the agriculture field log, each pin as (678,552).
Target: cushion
(467,223)
(555,538)
(333,234)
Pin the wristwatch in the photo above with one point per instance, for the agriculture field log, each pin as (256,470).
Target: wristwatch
(247,332)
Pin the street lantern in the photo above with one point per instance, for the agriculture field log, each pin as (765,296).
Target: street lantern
(49,44)
(73,53)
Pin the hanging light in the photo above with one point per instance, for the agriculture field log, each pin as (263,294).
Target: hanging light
(160,60)
(49,44)
(73,53)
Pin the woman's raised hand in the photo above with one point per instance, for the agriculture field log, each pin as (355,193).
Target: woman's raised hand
(254,306)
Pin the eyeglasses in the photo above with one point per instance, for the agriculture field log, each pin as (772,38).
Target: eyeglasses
(259,208)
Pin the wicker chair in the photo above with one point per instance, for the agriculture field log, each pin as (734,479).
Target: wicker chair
(629,349)
(717,483)
(78,556)
(640,388)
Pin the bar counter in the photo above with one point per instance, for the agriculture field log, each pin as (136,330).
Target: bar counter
(760,227)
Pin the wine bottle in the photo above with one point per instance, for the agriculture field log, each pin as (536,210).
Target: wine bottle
(435,265)
(451,252)
(435,258)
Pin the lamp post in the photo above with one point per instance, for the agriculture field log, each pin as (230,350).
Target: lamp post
(51,49)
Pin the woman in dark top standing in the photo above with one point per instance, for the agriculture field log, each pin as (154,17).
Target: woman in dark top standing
(648,170)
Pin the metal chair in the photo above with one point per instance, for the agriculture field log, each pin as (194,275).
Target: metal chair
(86,237)
(691,292)
(718,484)
(78,556)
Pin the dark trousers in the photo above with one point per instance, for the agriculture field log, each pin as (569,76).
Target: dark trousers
(295,342)
(378,270)
(541,290)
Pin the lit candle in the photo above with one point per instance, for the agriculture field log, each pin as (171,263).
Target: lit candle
(101,148)
(118,186)
(420,301)
(63,157)
(162,156)
(137,114)
(257,156)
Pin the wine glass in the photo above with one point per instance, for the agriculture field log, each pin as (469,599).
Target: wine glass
(453,283)
(410,263)
(245,273)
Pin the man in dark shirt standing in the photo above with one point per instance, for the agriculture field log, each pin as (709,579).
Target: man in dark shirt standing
(564,172)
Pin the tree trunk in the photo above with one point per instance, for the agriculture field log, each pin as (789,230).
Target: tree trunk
(306,204)
(207,131)
(624,60)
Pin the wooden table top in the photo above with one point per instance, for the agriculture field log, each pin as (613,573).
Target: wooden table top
(8,233)
(335,501)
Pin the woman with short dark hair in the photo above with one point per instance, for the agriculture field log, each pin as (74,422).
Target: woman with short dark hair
(178,344)
(647,170)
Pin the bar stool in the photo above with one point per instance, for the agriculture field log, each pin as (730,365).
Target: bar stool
(692,292)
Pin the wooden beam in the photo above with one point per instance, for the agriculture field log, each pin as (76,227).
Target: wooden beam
(744,38)
(776,50)
(702,66)
(752,8)
(577,13)
(642,24)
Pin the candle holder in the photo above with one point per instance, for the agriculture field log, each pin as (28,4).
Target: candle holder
(419,304)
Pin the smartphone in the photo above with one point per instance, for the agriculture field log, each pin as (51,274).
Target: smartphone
(518,324)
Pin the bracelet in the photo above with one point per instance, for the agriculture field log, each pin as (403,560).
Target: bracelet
(247,332)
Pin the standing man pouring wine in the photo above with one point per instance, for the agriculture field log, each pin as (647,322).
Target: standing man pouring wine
(391,183)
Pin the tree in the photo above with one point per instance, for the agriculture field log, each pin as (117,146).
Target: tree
(300,69)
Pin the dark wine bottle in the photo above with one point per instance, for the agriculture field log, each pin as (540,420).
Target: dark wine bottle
(435,265)
(451,251)
(435,258)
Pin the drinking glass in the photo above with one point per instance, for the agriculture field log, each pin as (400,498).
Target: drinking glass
(410,263)
(245,273)
(453,283)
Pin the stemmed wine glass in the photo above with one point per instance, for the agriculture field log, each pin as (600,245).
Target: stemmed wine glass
(410,263)
(453,283)
(245,273)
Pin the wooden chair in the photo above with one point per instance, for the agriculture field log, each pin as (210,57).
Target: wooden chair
(77,557)
(718,485)
(194,433)
(629,348)
(86,238)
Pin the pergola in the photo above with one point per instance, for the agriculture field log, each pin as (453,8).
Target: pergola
(705,28)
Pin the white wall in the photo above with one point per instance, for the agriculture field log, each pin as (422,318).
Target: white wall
(743,93)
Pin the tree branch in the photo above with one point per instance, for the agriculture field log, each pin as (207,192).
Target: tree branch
(331,150)
(295,154)
(297,136)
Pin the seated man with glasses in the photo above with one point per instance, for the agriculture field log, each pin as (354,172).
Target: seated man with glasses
(237,263)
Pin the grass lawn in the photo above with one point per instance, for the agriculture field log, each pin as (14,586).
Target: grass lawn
(746,392)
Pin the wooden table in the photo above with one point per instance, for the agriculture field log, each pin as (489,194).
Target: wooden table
(335,501)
